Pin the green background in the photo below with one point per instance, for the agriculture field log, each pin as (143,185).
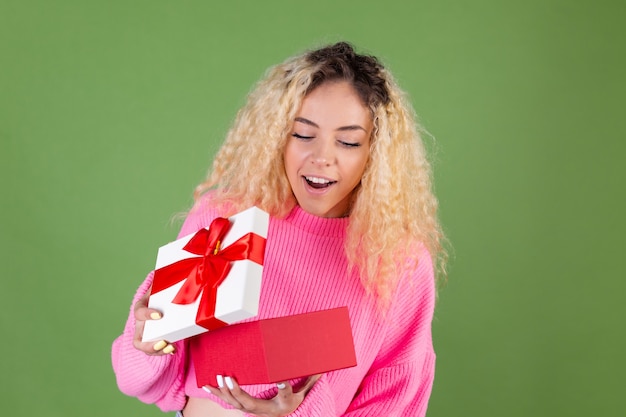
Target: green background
(110,113)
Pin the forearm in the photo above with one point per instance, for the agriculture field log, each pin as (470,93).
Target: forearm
(152,379)
(402,390)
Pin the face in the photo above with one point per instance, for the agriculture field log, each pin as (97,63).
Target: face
(328,149)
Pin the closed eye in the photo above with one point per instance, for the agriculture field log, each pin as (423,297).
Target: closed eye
(349,144)
(297,135)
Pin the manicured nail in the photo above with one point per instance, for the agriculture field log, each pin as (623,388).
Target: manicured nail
(229,382)
(169,349)
(281,385)
(155,316)
(220,381)
(159,345)
(206,389)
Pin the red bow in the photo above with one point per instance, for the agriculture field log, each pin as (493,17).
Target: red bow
(207,272)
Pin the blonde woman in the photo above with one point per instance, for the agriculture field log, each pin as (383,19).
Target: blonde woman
(328,145)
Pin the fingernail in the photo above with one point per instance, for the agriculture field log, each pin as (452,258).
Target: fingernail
(206,389)
(281,385)
(220,381)
(169,349)
(159,345)
(155,316)
(229,382)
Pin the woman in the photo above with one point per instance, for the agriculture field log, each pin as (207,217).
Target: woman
(328,145)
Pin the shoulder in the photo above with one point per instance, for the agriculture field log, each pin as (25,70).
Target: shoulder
(416,288)
(408,319)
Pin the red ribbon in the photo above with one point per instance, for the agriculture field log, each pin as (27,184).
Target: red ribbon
(207,272)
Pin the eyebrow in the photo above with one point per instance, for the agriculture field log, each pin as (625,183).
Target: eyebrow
(342,128)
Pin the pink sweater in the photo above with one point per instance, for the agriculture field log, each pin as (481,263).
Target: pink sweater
(306,270)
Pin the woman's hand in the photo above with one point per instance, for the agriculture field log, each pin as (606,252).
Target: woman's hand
(285,402)
(143,313)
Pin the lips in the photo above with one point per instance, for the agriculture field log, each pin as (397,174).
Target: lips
(318,182)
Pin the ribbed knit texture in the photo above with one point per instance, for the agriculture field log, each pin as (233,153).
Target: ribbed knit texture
(306,270)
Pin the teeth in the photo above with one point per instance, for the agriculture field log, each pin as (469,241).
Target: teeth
(318,180)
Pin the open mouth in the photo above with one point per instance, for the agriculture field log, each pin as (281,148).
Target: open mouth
(318,183)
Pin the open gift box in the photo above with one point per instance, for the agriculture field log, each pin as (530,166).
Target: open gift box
(209,279)
(274,350)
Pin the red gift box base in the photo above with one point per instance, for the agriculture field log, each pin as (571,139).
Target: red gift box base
(274,350)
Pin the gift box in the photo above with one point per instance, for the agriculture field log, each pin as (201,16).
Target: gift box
(209,279)
(274,350)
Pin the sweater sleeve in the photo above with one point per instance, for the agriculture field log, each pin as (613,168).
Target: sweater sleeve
(153,379)
(400,380)
(396,390)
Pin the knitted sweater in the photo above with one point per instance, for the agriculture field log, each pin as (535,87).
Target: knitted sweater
(306,270)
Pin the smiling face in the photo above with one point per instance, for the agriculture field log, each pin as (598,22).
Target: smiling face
(328,149)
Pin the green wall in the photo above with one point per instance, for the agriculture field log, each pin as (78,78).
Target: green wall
(110,112)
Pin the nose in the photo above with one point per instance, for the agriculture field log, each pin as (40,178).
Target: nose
(323,152)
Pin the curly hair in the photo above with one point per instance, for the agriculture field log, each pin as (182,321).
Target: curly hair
(393,210)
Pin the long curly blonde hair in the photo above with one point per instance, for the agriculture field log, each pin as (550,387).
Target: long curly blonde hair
(393,210)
